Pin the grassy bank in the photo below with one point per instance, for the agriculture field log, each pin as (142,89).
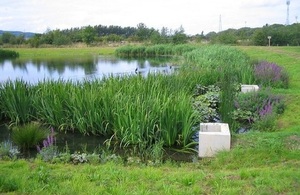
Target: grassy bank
(52,53)
(259,164)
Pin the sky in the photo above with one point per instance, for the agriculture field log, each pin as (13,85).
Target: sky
(194,16)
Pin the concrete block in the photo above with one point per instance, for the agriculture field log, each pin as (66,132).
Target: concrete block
(249,88)
(213,137)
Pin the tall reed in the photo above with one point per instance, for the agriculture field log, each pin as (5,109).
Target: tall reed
(154,50)
(215,57)
(16,101)
(134,108)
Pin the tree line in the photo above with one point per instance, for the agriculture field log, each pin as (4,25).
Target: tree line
(94,35)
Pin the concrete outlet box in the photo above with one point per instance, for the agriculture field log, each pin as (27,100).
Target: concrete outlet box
(249,88)
(213,137)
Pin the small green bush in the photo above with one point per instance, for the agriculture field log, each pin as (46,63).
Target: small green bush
(8,54)
(28,136)
(7,149)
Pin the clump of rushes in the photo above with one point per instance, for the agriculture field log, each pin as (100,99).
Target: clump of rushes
(28,136)
(16,101)
(154,50)
(8,54)
(270,74)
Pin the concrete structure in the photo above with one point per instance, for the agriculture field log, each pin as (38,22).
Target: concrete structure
(249,88)
(213,137)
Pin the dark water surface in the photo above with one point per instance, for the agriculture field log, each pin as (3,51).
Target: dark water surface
(77,142)
(74,141)
(34,70)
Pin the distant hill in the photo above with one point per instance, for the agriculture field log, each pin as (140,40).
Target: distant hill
(18,33)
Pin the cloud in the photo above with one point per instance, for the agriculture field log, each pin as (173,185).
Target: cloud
(194,15)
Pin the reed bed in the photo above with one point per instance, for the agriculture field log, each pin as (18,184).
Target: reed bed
(132,108)
(154,50)
(8,54)
(220,58)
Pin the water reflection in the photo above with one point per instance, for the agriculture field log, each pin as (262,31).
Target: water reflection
(35,70)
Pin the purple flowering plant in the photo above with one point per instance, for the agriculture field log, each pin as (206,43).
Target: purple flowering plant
(270,74)
(258,107)
(49,149)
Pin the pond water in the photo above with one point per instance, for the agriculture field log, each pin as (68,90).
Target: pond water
(76,142)
(34,70)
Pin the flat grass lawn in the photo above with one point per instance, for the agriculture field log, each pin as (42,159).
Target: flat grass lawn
(259,162)
(63,52)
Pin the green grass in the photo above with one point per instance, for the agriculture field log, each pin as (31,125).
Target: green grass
(52,53)
(258,163)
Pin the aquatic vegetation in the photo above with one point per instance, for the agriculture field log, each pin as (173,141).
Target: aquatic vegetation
(135,110)
(16,101)
(154,50)
(4,53)
(28,136)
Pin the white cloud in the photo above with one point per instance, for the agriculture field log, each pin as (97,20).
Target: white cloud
(194,15)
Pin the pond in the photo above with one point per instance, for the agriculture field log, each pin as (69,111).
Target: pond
(76,142)
(77,69)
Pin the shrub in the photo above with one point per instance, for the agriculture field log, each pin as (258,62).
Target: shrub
(7,149)
(270,74)
(257,109)
(206,102)
(8,54)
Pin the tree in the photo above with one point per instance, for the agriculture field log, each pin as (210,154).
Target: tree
(227,37)
(88,35)
(60,39)
(7,38)
(260,37)
(143,33)
(35,40)
(156,38)
(179,36)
